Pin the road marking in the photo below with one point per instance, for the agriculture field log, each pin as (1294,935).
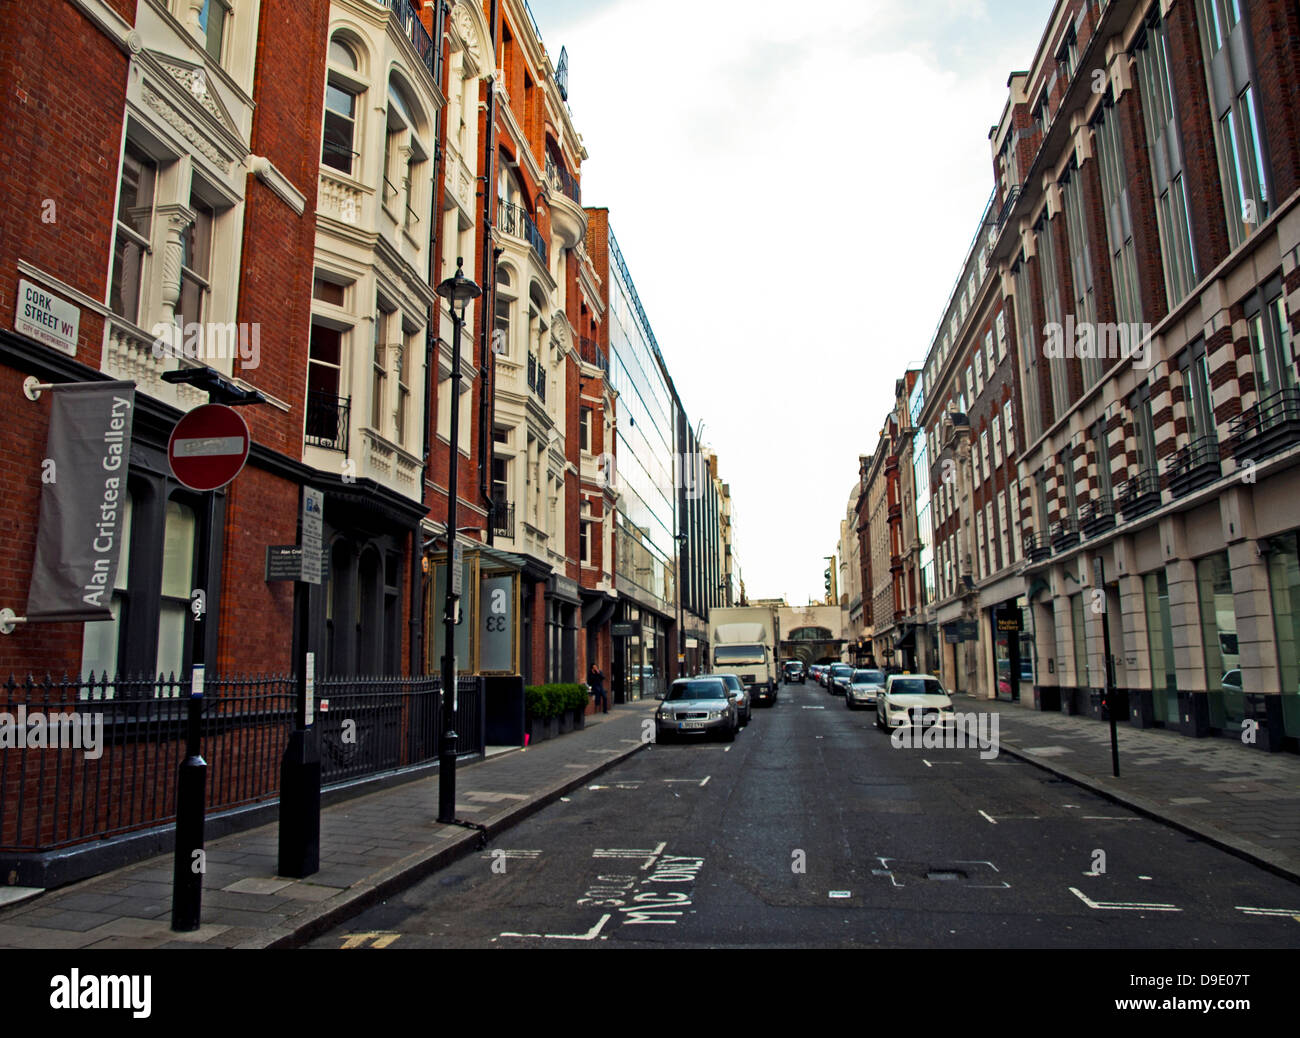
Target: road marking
(511,854)
(705,781)
(650,855)
(693,782)
(1294,913)
(1109,818)
(931,764)
(590,935)
(379,939)
(840,893)
(1122,906)
(727,750)
(991,819)
(814,708)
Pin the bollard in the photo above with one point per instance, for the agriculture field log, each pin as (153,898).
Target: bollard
(188,866)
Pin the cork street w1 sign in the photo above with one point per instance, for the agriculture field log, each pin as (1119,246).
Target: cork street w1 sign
(208,447)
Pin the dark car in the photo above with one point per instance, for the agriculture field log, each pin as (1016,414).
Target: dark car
(792,672)
(838,678)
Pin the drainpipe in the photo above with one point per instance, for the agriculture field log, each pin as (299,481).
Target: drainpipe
(486,412)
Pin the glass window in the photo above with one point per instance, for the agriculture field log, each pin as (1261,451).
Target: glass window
(1160,645)
(1284,582)
(177,583)
(213,18)
(1270,341)
(1119,219)
(1028,341)
(131,243)
(1060,381)
(1085,306)
(1219,640)
(196,254)
(1081,676)
(99,639)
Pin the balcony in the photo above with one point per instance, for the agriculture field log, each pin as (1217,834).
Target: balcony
(503,517)
(1065,534)
(591,353)
(1269,426)
(515,221)
(1096,517)
(563,181)
(537,377)
(1037,547)
(327,420)
(415,31)
(1194,466)
(1138,495)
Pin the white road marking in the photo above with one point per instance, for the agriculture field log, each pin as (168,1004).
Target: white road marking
(1109,818)
(651,856)
(814,708)
(705,781)
(1122,906)
(991,819)
(511,854)
(1293,912)
(840,893)
(693,782)
(727,750)
(931,764)
(590,935)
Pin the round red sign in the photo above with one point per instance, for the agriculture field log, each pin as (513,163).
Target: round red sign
(208,447)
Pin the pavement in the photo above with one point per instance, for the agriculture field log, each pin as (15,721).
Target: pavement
(1237,797)
(371,847)
(376,845)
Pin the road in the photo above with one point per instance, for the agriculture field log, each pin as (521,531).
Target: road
(813,830)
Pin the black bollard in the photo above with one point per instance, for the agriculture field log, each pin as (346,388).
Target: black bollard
(188,866)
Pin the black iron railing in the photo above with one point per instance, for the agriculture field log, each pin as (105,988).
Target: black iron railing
(515,221)
(120,742)
(503,517)
(1193,466)
(1064,534)
(1138,495)
(589,350)
(563,180)
(419,36)
(327,420)
(1038,547)
(1096,516)
(1269,426)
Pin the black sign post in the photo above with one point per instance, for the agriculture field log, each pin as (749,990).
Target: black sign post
(1099,584)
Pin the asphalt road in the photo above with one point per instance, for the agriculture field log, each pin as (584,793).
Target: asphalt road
(812,830)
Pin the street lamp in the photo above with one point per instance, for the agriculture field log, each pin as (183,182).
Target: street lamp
(458,291)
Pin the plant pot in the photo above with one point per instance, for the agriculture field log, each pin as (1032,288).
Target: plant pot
(565,722)
(537,730)
(580,718)
(552,728)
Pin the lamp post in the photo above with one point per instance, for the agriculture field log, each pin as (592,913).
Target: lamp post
(458,291)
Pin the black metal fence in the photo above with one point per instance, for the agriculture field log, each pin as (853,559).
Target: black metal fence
(92,759)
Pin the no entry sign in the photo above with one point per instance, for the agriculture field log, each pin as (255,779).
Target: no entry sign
(208,447)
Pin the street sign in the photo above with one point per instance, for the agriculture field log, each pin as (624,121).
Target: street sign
(457,569)
(208,447)
(313,532)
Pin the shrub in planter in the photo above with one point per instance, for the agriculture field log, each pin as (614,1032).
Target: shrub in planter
(561,706)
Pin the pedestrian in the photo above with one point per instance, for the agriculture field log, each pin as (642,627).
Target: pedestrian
(596,680)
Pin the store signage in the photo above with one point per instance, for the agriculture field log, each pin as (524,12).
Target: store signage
(83,492)
(1010,622)
(46,318)
(284,562)
(623,630)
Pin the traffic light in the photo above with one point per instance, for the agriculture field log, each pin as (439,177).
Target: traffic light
(827,574)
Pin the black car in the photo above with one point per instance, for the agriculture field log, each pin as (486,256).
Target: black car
(792,672)
(839,678)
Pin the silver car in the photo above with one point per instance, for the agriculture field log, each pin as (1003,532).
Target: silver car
(743,706)
(700,707)
(864,687)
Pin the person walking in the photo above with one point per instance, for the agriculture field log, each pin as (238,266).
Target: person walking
(596,680)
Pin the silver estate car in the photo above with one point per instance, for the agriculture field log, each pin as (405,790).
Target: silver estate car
(864,687)
(697,707)
(743,707)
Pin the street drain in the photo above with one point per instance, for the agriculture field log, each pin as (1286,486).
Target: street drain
(946,875)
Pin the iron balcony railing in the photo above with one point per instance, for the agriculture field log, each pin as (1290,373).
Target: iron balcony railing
(563,180)
(515,221)
(409,20)
(327,420)
(1193,466)
(122,739)
(1064,533)
(589,350)
(537,376)
(1038,548)
(1268,427)
(503,517)
(1096,516)
(1138,495)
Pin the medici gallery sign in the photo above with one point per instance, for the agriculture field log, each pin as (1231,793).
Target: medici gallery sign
(83,498)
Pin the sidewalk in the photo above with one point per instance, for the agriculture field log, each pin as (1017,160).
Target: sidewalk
(370,847)
(1234,796)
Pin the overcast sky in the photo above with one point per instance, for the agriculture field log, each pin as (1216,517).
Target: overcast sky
(794,187)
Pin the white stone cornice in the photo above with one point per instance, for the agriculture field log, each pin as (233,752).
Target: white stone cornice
(265,171)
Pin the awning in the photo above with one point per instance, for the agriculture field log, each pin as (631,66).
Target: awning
(907,638)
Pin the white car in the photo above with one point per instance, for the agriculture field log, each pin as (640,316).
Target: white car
(913,698)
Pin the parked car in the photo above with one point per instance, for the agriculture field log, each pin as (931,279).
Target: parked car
(864,687)
(907,694)
(838,678)
(792,672)
(692,707)
(1231,681)
(743,703)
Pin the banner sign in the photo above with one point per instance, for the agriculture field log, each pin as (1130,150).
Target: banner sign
(83,497)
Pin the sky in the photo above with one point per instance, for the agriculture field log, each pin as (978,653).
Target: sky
(794,188)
